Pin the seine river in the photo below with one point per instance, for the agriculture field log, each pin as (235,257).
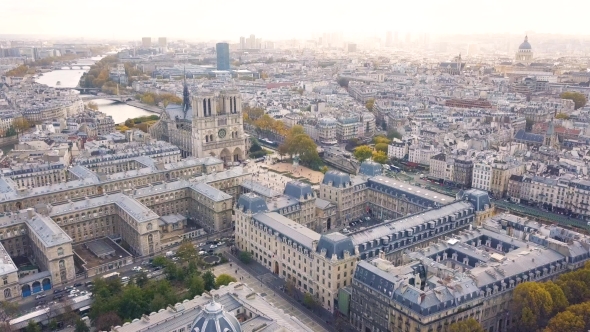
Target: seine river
(69,79)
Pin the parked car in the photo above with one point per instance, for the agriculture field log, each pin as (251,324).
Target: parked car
(57,290)
(221,243)
(125,279)
(78,284)
(201,253)
(137,268)
(40,296)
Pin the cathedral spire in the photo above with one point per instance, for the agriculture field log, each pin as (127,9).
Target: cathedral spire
(186,102)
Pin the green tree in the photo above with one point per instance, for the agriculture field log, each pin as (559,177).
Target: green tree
(196,285)
(33,327)
(343,82)
(529,124)
(566,321)
(246,257)
(160,261)
(381,147)
(380,157)
(81,326)
(363,152)
(52,325)
(224,280)
(209,279)
(141,279)
(129,123)
(8,310)
(297,142)
(468,325)
(309,301)
(578,98)
(132,304)
(582,310)
(391,134)
(532,306)
(370,104)
(324,169)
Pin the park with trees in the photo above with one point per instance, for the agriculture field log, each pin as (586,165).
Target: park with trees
(115,303)
(578,98)
(142,123)
(378,153)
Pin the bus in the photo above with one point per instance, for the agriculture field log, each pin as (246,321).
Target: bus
(112,275)
(84,311)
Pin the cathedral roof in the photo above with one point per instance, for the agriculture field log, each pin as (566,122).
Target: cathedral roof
(525,44)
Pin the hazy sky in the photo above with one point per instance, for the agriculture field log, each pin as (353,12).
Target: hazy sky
(229,19)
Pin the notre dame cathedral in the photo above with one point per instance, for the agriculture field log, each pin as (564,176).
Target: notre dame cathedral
(209,124)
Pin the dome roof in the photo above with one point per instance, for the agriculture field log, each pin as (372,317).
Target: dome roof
(214,319)
(525,44)
(370,168)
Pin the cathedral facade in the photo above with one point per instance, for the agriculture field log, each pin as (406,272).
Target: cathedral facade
(208,124)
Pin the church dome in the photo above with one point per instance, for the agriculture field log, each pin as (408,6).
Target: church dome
(214,319)
(525,44)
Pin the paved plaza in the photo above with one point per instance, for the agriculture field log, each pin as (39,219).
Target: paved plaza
(269,294)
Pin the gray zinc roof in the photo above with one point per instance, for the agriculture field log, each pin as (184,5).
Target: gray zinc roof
(335,244)
(253,203)
(288,228)
(298,189)
(336,179)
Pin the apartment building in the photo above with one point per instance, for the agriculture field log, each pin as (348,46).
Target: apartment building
(482,176)
(313,263)
(501,172)
(397,150)
(469,275)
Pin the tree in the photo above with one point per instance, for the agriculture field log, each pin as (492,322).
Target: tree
(369,104)
(141,279)
(309,301)
(343,82)
(578,98)
(196,285)
(381,147)
(129,123)
(581,310)
(391,134)
(324,169)
(107,320)
(92,105)
(566,321)
(81,326)
(21,124)
(363,152)
(246,257)
(209,279)
(532,306)
(297,142)
(186,251)
(224,280)
(380,157)
(52,325)
(159,261)
(529,124)
(33,327)
(468,325)
(557,296)
(562,116)
(8,310)
(132,304)
(381,139)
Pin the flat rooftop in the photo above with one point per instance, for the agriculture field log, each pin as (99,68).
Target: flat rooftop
(91,260)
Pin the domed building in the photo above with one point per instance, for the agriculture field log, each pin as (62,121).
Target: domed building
(525,52)
(214,319)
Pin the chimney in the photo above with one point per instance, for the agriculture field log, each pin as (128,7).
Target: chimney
(30,213)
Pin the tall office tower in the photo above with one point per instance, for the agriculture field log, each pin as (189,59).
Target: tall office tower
(252,42)
(162,42)
(146,42)
(388,39)
(258,43)
(222,56)
(242,43)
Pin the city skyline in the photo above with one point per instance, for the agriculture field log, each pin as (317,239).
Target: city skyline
(264,18)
